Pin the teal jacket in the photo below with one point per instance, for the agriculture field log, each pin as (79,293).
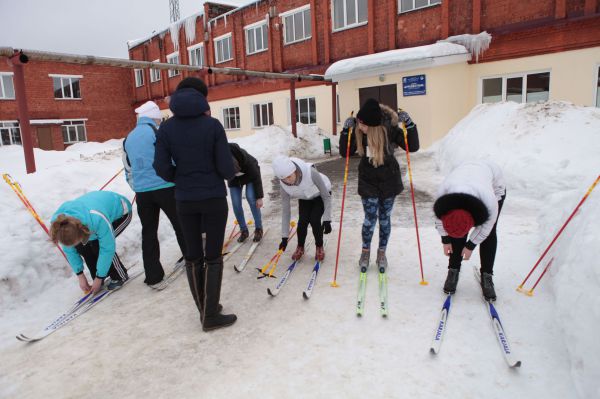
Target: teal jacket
(96,210)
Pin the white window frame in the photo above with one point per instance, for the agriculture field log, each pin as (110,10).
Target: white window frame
(269,122)
(219,40)
(155,74)
(173,58)
(4,126)
(291,13)
(3,95)
(68,123)
(70,77)
(522,75)
(239,118)
(192,58)
(431,3)
(139,77)
(596,100)
(298,99)
(254,28)
(346,25)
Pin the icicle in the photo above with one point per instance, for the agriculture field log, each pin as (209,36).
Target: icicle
(174,29)
(268,20)
(475,44)
(225,20)
(162,34)
(190,29)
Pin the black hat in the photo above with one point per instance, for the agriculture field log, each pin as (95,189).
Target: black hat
(193,83)
(370,113)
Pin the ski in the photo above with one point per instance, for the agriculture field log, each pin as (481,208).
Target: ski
(313,276)
(172,276)
(86,306)
(228,254)
(507,353)
(383,293)
(436,343)
(273,292)
(248,256)
(362,288)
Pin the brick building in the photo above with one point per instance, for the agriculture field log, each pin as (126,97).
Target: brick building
(533,44)
(67,103)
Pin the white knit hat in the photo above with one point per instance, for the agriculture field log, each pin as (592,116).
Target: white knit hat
(283,166)
(149,109)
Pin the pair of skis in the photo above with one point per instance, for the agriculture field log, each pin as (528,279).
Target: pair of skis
(442,324)
(246,258)
(172,276)
(80,307)
(362,290)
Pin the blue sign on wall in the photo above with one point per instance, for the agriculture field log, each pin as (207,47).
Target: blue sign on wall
(414,85)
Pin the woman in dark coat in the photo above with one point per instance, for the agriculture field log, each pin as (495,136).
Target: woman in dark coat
(192,151)
(379,178)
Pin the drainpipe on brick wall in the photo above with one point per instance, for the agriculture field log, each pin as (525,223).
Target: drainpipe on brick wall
(17,60)
(293,106)
(333,109)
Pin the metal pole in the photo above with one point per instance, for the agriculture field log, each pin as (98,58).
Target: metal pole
(333,109)
(17,60)
(293,106)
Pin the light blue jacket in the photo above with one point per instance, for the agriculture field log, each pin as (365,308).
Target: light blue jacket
(96,210)
(139,156)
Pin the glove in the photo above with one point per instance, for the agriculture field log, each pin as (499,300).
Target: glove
(283,243)
(326,227)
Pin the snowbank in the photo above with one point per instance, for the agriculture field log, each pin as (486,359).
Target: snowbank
(549,153)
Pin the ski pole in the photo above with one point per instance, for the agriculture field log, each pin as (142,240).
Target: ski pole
(232,235)
(412,194)
(274,266)
(113,178)
(530,292)
(337,256)
(19,192)
(520,287)
(277,255)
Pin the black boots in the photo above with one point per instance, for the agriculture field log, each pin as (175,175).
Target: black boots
(451,281)
(212,318)
(487,287)
(196,272)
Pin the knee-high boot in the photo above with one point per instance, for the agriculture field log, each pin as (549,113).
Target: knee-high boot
(195,273)
(212,318)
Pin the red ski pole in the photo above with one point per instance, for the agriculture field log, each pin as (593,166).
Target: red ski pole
(520,287)
(337,256)
(112,178)
(530,292)
(412,194)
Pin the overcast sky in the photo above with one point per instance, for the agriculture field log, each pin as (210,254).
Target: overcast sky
(93,27)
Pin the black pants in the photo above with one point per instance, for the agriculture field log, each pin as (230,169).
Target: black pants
(311,212)
(149,205)
(209,215)
(487,249)
(91,251)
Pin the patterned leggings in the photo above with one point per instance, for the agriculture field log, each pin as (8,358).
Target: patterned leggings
(373,207)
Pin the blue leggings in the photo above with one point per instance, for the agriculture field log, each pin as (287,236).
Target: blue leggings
(373,208)
(238,210)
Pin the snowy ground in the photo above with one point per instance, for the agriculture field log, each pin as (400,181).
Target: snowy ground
(146,343)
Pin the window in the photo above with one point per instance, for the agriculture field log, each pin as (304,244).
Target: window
(231,118)
(306,111)
(349,13)
(409,5)
(598,89)
(73,131)
(296,25)
(139,77)
(263,114)
(256,38)
(10,133)
(173,59)
(66,87)
(519,88)
(154,74)
(223,48)
(196,55)
(7,88)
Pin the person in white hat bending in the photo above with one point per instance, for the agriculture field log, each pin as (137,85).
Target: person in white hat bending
(299,179)
(153,193)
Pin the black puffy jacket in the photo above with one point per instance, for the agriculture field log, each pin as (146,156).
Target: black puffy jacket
(250,169)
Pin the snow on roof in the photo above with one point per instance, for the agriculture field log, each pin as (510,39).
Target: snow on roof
(392,61)
(46,121)
(189,24)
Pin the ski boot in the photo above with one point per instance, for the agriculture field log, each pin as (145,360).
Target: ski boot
(487,287)
(320,254)
(451,281)
(298,253)
(243,236)
(258,235)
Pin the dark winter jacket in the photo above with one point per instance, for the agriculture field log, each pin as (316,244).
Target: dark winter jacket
(250,169)
(386,180)
(192,149)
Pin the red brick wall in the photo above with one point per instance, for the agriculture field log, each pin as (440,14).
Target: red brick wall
(419,27)
(575,8)
(461,17)
(106,92)
(497,13)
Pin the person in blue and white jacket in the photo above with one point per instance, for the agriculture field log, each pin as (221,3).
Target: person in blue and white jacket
(86,228)
(153,193)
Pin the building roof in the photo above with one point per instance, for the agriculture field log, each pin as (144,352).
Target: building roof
(395,61)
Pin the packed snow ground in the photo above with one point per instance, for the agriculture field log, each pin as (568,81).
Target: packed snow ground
(146,343)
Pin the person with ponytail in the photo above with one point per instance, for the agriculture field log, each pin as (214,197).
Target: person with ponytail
(86,228)
(379,178)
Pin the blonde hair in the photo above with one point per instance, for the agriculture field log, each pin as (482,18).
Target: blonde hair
(68,230)
(377,141)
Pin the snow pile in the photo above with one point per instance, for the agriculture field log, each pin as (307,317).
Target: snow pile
(476,44)
(549,154)
(274,140)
